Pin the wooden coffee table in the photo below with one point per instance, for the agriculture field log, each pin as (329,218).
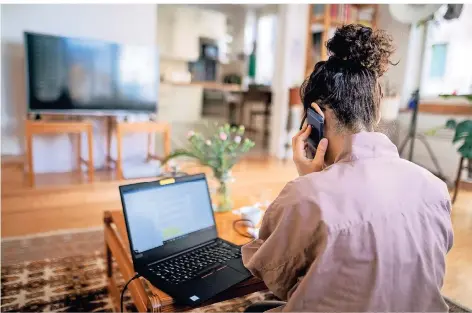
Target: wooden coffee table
(145,296)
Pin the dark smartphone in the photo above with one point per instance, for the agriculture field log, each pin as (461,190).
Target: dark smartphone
(317,125)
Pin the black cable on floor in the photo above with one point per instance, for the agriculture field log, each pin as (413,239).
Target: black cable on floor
(124,289)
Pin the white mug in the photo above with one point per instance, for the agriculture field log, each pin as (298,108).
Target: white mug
(251,213)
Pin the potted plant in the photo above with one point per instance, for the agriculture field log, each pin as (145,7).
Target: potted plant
(220,152)
(463,132)
(463,136)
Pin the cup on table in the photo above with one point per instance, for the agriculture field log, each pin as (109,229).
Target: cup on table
(252,214)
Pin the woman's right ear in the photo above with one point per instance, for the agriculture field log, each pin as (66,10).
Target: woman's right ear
(317,108)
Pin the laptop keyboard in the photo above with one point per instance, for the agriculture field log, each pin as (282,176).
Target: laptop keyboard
(195,263)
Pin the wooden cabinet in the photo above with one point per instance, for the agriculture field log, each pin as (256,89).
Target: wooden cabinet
(164,30)
(177,36)
(211,24)
(185,34)
(180,28)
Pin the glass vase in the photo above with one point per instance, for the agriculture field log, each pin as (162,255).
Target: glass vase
(224,203)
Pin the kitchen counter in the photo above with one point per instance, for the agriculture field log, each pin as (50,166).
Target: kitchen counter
(208,85)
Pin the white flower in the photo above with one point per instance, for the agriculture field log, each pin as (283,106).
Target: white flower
(223,136)
(190,134)
(208,142)
(237,139)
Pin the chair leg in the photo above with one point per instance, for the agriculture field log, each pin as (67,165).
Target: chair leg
(79,152)
(91,166)
(119,172)
(149,148)
(251,122)
(241,112)
(458,180)
(29,157)
(266,124)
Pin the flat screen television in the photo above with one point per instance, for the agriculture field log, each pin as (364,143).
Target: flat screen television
(81,76)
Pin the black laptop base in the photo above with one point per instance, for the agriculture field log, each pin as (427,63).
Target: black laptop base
(198,274)
(174,241)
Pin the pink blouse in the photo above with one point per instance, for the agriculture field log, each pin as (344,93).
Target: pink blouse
(368,233)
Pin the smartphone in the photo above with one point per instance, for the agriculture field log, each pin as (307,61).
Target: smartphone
(317,125)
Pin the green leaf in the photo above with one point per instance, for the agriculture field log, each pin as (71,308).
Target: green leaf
(466,149)
(463,130)
(451,124)
(179,153)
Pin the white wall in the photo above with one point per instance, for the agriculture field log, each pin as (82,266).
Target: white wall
(127,24)
(400,33)
(290,59)
(410,45)
(457,35)
(458,76)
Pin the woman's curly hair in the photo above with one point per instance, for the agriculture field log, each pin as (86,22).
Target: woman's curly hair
(348,81)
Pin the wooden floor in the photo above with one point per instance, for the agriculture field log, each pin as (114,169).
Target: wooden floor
(67,201)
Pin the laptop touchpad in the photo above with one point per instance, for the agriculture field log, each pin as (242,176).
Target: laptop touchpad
(224,278)
(238,265)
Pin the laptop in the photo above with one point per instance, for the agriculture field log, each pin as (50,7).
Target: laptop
(173,239)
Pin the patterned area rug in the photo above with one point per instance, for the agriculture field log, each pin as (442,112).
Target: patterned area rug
(78,284)
(74,279)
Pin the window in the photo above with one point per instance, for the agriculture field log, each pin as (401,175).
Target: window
(265,53)
(249,31)
(438,60)
(447,62)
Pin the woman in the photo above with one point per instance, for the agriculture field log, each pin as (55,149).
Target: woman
(361,229)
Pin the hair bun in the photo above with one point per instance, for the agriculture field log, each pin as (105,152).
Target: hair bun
(362,46)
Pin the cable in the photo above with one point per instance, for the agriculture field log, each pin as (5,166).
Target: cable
(124,289)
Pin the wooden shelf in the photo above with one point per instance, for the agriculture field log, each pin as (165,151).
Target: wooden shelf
(323,23)
(364,5)
(317,19)
(439,108)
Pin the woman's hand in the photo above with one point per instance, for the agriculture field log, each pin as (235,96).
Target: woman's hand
(304,164)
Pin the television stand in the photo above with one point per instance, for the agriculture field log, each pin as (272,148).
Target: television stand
(120,129)
(54,126)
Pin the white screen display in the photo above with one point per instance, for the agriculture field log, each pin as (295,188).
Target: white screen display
(160,214)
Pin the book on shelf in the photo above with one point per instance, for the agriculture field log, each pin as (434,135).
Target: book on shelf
(343,13)
(318,10)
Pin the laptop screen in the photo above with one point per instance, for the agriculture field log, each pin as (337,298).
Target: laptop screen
(159,215)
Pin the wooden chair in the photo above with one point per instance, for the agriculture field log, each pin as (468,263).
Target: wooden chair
(41,127)
(258,94)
